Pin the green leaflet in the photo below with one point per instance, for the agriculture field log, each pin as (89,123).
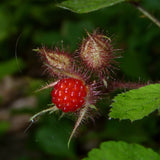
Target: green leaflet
(137,103)
(122,151)
(85,6)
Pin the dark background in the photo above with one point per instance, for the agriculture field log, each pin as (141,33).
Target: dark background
(26,25)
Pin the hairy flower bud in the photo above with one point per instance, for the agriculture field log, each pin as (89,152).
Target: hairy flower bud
(57,61)
(97,52)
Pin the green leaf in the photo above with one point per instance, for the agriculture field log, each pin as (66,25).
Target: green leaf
(85,6)
(122,151)
(10,67)
(137,103)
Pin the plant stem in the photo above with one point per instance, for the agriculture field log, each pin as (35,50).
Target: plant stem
(146,13)
(79,120)
(51,109)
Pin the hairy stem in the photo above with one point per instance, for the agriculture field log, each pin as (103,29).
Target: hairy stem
(32,119)
(47,86)
(79,120)
(51,109)
(146,13)
(66,73)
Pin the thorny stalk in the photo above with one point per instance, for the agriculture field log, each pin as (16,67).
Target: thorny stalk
(79,120)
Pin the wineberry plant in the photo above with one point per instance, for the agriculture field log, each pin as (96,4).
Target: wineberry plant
(75,91)
(93,76)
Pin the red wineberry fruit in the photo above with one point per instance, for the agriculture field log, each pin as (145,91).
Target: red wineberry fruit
(69,94)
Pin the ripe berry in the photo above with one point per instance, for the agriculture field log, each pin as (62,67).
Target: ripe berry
(69,94)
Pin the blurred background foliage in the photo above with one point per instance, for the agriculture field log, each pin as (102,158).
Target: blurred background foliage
(28,24)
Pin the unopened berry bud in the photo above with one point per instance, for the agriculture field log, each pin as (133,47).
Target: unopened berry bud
(57,61)
(97,52)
